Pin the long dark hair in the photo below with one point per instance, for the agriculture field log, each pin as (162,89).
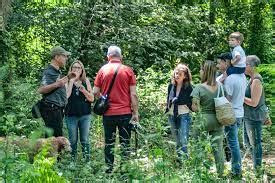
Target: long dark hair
(188,77)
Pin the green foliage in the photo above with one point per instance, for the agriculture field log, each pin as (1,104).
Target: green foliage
(260,37)
(154,38)
(154,160)
(42,170)
(11,163)
(149,34)
(267,71)
(35,28)
(16,109)
(3,47)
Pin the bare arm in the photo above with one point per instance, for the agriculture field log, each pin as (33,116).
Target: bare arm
(69,87)
(44,89)
(88,93)
(96,91)
(70,84)
(236,60)
(195,104)
(134,103)
(224,76)
(256,92)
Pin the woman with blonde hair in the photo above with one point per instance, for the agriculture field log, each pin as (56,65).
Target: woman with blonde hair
(203,101)
(78,109)
(179,106)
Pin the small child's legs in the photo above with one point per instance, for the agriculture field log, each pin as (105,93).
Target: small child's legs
(235,70)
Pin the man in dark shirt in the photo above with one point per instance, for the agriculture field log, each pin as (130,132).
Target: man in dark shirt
(53,91)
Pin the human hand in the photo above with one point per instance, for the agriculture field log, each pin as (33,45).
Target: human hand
(268,122)
(61,82)
(82,88)
(72,75)
(135,118)
(224,76)
(174,99)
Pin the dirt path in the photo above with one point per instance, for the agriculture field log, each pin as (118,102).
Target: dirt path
(268,162)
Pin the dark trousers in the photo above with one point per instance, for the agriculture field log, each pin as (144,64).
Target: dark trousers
(235,70)
(53,117)
(111,123)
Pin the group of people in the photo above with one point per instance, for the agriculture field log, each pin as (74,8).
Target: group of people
(71,96)
(248,102)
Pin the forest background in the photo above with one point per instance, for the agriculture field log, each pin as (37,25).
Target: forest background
(154,37)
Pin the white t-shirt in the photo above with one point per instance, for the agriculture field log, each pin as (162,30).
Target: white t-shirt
(219,77)
(235,85)
(238,50)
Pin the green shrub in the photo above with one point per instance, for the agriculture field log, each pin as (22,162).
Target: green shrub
(42,170)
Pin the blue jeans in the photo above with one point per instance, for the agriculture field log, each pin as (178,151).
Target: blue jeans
(83,124)
(180,126)
(241,126)
(231,133)
(254,132)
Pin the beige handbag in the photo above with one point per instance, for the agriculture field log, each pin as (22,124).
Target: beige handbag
(224,109)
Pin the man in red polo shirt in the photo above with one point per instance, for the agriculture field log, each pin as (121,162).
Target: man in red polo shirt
(123,102)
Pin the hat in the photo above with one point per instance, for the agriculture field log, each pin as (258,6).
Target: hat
(59,51)
(225,56)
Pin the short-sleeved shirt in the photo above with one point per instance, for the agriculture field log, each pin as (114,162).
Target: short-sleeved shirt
(235,85)
(57,96)
(238,50)
(207,106)
(120,99)
(219,77)
(206,98)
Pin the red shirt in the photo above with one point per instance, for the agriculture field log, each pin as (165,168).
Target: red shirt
(120,100)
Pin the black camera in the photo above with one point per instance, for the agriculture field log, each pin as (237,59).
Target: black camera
(134,127)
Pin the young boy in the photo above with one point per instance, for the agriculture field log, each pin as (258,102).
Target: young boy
(238,54)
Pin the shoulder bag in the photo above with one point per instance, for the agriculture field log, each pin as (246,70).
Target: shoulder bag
(102,103)
(224,109)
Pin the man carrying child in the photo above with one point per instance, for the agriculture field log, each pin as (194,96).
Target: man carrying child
(235,85)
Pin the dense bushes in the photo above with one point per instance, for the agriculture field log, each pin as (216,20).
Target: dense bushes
(149,34)
(154,160)
(153,37)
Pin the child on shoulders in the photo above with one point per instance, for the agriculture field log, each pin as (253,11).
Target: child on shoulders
(238,55)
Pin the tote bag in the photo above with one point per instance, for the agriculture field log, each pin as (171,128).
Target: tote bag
(224,109)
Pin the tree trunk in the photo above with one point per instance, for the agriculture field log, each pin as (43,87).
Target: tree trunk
(212,13)
(5,7)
